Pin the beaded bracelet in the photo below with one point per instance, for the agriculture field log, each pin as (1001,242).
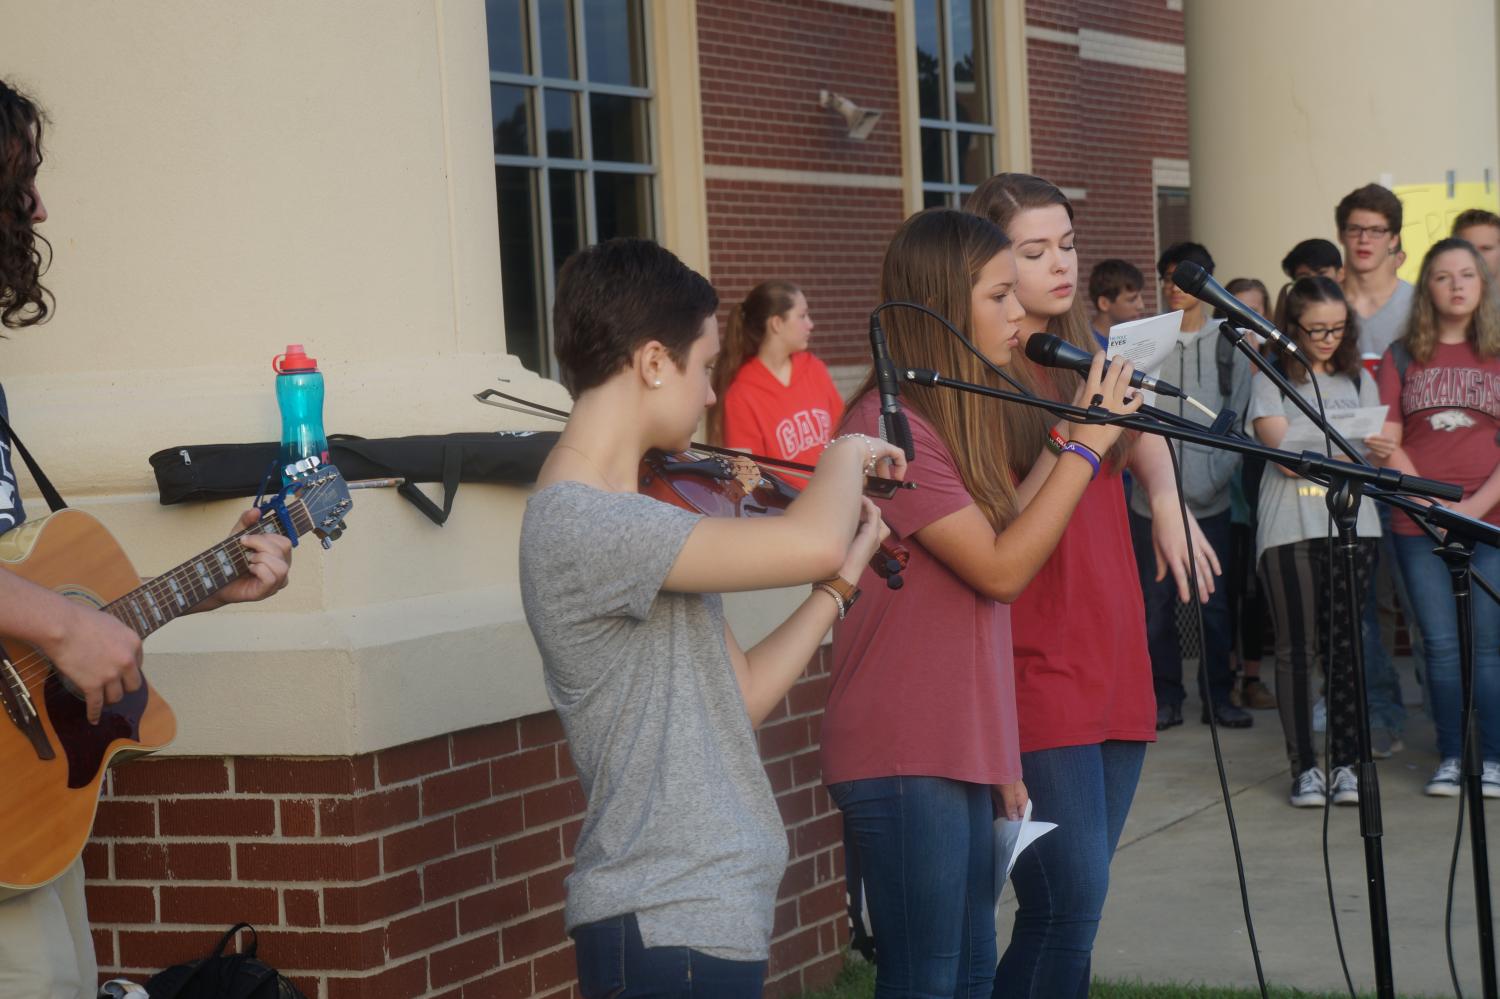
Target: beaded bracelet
(1086,453)
(1055,441)
(871,461)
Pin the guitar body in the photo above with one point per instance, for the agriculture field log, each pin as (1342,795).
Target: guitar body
(53,761)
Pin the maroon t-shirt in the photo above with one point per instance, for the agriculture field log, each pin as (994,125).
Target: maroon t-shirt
(1449,411)
(922,678)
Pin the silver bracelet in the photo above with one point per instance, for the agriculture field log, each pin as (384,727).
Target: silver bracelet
(871,461)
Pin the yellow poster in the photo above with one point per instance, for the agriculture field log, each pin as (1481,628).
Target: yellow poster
(1428,214)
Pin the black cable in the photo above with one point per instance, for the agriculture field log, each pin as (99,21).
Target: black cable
(1213,723)
(1458,838)
(961,339)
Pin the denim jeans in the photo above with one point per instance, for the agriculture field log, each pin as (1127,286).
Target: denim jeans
(926,852)
(1431,594)
(1161,616)
(613,963)
(1061,881)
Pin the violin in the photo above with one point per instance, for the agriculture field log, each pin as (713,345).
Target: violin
(718,482)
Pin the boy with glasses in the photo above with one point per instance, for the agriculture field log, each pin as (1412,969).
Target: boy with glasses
(1369,224)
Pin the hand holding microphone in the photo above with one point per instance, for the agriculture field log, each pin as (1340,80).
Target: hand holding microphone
(1107,386)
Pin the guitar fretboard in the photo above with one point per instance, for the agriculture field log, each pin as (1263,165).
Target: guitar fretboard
(178,590)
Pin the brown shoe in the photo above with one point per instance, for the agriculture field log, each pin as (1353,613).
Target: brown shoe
(1255,695)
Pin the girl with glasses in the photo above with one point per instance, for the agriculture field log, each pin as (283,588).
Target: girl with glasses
(1305,592)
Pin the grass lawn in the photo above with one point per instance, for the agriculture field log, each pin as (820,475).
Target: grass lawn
(858,982)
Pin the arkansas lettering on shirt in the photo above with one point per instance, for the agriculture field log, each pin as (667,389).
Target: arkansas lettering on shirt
(791,421)
(1449,410)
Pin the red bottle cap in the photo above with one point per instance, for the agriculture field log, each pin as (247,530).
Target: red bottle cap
(293,360)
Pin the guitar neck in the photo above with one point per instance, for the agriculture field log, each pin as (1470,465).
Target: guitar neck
(167,597)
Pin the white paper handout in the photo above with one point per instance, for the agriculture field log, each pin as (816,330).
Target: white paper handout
(1146,343)
(1354,424)
(1010,839)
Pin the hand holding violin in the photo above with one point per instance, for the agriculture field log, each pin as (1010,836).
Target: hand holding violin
(867,539)
(876,453)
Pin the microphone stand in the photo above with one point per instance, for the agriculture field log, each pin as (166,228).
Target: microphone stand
(1456,550)
(1346,483)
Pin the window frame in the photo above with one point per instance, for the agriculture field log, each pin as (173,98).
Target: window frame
(983,37)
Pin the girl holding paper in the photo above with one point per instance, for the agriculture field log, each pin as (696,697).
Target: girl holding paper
(1304,590)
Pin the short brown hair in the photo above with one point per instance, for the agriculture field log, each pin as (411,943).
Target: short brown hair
(1370,198)
(1295,299)
(614,297)
(1471,217)
(1112,278)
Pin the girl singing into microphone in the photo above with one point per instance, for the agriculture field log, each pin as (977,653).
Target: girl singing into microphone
(919,736)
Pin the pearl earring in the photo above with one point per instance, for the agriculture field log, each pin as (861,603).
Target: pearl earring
(656,384)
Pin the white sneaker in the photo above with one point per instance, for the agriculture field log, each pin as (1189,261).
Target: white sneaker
(1490,782)
(1320,715)
(1309,789)
(1346,785)
(1444,782)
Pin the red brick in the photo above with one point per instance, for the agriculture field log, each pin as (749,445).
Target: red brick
(822,973)
(332,950)
(369,813)
(303,907)
(407,979)
(541,730)
(779,774)
(299,818)
(124,818)
(413,760)
(164,948)
(454,875)
(570,834)
(800,876)
(415,846)
(546,888)
(806,768)
(784,738)
(465,960)
(554,969)
(172,861)
(523,770)
(793,950)
(492,907)
(818,834)
(378,900)
(121,903)
(446,792)
(489,822)
(553,804)
(507,983)
(485,742)
(525,854)
(821,903)
(282,862)
(300,775)
(170,775)
(95,861)
(784,918)
(104,947)
(217,817)
(534,935)
(422,930)
(565,766)
(795,806)
(191,904)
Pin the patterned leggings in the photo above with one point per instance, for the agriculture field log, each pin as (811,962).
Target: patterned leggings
(1310,611)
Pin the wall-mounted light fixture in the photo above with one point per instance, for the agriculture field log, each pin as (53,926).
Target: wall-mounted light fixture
(860,120)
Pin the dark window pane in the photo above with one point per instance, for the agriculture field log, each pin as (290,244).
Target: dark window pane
(512,115)
(623,204)
(934,199)
(929,59)
(619,127)
(615,36)
(567,214)
(556,21)
(973,157)
(970,76)
(561,109)
(506,21)
(935,156)
(520,264)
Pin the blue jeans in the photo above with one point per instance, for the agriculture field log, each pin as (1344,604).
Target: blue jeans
(613,963)
(925,848)
(1161,616)
(1062,880)
(1431,594)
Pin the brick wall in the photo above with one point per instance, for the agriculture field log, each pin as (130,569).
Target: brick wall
(433,869)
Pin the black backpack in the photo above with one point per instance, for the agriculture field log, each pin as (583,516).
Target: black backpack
(221,976)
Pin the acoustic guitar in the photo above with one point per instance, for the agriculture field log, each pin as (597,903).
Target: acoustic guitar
(52,761)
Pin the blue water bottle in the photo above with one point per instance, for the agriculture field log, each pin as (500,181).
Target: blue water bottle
(299,392)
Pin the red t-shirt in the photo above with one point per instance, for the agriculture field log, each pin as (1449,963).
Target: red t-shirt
(922,677)
(791,421)
(1083,672)
(1449,411)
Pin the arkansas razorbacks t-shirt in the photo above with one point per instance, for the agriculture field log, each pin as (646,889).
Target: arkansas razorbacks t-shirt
(791,421)
(1449,411)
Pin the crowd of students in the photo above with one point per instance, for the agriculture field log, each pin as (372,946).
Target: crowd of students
(975,691)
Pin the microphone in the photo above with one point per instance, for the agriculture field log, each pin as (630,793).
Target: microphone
(1197,282)
(893,425)
(1052,351)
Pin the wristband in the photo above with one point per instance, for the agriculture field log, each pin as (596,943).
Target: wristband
(1086,453)
(1055,441)
(842,591)
(870,461)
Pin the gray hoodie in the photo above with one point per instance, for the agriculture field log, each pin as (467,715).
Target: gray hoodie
(1193,367)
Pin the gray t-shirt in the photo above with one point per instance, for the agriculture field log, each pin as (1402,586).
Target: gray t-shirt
(1388,323)
(681,828)
(1293,510)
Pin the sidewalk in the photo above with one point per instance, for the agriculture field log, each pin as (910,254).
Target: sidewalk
(1174,910)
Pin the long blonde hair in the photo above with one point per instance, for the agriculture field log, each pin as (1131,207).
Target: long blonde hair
(1421,335)
(1000,199)
(934,260)
(744,332)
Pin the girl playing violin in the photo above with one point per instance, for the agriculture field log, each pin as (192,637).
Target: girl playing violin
(919,736)
(682,846)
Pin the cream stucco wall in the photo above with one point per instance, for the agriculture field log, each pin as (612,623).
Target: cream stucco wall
(1295,104)
(224,179)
